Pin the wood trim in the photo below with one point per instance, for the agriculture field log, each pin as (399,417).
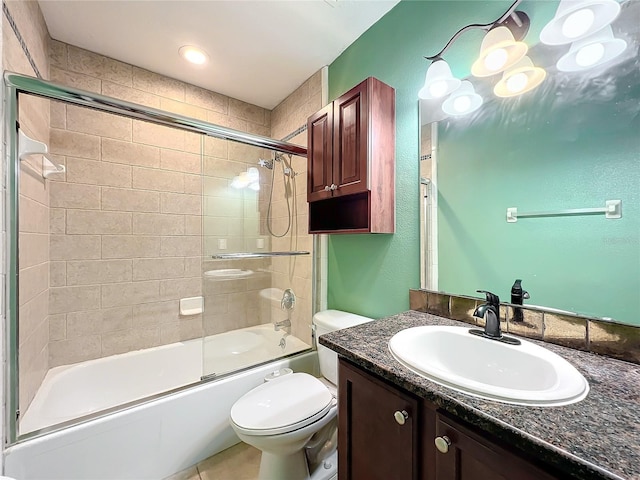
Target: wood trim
(320,147)
(382,153)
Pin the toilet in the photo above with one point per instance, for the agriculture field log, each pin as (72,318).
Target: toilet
(293,419)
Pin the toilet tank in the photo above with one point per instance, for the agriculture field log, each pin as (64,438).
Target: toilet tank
(329,321)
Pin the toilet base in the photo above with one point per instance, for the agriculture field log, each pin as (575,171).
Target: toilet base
(327,469)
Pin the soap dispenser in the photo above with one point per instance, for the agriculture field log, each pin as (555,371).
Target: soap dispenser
(517,297)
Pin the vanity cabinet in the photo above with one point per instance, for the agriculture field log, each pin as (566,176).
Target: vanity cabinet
(463,454)
(351,162)
(374,443)
(377,429)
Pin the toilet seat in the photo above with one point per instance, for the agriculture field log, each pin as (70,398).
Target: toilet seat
(282,405)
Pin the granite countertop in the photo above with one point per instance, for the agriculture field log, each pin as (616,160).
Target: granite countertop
(597,438)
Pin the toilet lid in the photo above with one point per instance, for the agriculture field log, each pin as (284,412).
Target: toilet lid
(281,405)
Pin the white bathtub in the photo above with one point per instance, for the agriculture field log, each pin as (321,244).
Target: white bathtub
(157,438)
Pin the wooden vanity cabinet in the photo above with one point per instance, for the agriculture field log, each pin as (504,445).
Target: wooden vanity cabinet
(372,444)
(472,456)
(378,429)
(351,162)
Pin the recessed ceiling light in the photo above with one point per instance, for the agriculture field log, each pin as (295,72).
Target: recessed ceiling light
(193,54)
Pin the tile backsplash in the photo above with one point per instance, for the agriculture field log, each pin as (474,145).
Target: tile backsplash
(582,333)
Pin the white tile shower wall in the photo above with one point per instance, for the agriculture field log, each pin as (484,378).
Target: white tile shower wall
(24,50)
(129,220)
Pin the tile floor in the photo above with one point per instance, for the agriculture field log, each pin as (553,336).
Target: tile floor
(240,462)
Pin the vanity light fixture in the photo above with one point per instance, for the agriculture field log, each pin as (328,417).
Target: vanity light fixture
(501,50)
(498,52)
(193,54)
(576,19)
(592,51)
(523,77)
(464,100)
(439,81)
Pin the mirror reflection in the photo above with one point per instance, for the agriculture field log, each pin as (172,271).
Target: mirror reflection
(559,155)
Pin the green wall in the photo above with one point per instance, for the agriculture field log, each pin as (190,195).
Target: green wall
(542,154)
(585,264)
(371,274)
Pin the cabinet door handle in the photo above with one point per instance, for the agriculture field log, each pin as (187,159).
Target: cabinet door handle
(442,444)
(327,188)
(333,186)
(401,416)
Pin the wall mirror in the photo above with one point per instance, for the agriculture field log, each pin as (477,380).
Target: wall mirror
(571,144)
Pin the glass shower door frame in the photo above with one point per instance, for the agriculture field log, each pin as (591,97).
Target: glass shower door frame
(16,84)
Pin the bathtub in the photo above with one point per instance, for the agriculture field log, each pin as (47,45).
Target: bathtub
(150,439)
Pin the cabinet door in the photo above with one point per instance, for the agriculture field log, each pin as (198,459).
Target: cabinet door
(320,154)
(372,444)
(351,140)
(471,456)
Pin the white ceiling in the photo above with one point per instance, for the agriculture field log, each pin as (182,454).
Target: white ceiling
(260,51)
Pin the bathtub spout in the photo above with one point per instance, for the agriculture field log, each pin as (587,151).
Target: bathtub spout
(281,325)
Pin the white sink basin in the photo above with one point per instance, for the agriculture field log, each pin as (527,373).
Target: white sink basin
(524,374)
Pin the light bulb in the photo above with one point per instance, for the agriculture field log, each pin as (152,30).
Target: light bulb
(517,83)
(495,60)
(193,54)
(462,104)
(578,23)
(438,89)
(463,101)
(590,54)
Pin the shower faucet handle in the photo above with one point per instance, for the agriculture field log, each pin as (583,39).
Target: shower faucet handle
(288,299)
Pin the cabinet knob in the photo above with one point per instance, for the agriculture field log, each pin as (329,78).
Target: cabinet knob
(442,444)
(333,186)
(327,188)
(401,416)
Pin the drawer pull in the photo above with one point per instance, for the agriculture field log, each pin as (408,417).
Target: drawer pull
(442,444)
(401,416)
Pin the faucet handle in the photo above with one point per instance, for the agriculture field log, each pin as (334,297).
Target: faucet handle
(492,298)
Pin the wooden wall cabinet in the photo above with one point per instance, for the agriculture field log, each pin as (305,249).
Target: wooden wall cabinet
(373,444)
(351,162)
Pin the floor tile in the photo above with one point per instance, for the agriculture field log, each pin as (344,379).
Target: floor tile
(240,462)
(190,473)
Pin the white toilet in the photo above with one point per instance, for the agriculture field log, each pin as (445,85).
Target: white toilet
(280,417)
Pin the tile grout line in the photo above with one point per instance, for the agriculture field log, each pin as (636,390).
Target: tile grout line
(21,41)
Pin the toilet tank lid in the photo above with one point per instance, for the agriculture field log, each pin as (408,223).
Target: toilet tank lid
(337,319)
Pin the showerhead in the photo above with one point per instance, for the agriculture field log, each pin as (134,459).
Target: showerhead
(266,163)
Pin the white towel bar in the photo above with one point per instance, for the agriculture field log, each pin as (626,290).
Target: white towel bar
(612,209)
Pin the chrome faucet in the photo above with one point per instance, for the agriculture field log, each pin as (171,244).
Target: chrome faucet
(490,312)
(287,303)
(288,299)
(283,324)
